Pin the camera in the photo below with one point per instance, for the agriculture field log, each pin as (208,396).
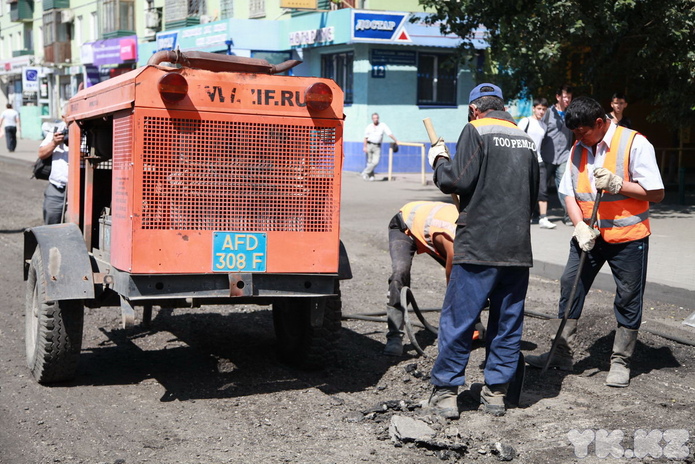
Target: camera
(64,133)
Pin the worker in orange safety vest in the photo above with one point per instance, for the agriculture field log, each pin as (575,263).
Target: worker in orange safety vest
(621,163)
(419,227)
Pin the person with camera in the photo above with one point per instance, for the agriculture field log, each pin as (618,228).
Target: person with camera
(55,145)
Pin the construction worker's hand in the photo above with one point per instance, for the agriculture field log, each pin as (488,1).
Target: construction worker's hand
(606,180)
(438,149)
(585,235)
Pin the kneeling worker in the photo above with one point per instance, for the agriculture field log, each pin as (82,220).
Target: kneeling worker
(422,227)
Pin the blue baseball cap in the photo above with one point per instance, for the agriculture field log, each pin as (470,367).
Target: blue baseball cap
(483,90)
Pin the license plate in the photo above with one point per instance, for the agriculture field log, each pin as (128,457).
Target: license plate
(239,252)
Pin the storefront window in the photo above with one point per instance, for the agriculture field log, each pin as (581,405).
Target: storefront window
(339,68)
(436,80)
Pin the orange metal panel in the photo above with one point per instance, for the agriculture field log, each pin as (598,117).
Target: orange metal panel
(74,189)
(257,94)
(122,192)
(241,153)
(108,97)
(195,174)
(190,252)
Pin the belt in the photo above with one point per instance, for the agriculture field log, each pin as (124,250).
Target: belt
(374,143)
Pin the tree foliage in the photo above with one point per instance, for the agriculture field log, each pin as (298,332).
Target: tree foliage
(645,48)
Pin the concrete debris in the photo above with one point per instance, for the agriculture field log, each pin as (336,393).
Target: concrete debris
(409,430)
(404,430)
(392,405)
(503,452)
(413,370)
(354,417)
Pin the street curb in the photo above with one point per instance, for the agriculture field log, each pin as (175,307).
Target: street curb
(604,281)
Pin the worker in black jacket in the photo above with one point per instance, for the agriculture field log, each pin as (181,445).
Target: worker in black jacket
(495,173)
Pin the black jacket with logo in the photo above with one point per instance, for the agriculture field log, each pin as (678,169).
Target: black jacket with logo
(495,173)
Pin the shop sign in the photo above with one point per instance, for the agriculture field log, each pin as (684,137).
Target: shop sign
(312,37)
(375,27)
(30,80)
(91,74)
(204,36)
(115,51)
(401,57)
(167,40)
(87,53)
(299,4)
(15,65)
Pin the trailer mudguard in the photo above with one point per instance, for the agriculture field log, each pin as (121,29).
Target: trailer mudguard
(344,269)
(67,266)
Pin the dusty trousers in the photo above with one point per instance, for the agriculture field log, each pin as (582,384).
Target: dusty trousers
(628,263)
(469,288)
(402,248)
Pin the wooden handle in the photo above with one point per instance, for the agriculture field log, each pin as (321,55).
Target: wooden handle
(430,130)
(433,138)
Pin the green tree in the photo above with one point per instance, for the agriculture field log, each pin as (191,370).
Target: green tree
(645,48)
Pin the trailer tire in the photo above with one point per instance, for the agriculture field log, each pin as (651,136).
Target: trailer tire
(53,330)
(301,344)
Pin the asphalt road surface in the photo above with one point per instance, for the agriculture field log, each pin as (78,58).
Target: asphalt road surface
(206,385)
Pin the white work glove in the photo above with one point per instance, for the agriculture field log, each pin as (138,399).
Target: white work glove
(438,149)
(606,180)
(585,235)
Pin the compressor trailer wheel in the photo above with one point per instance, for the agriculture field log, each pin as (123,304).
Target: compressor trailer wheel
(53,329)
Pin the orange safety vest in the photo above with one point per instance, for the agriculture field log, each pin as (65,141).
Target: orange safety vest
(620,218)
(425,219)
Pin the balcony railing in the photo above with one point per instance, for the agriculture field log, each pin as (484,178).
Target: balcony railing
(22,11)
(26,51)
(58,52)
(51,4)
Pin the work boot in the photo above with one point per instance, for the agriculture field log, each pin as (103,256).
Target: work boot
(394,346)
(562,358)
(492,399)
(623,347)
(394,337)
(443,401)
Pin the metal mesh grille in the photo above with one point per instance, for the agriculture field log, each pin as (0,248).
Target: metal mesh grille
(239,176)
(122,142)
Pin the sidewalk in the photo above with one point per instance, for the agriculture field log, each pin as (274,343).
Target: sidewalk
(671,269)
(27,150)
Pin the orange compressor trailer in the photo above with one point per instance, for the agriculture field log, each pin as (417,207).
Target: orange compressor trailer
(197,179)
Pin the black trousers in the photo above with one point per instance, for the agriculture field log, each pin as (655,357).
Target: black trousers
(11,138)
(628,263)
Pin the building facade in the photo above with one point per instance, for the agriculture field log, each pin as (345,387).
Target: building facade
(383,55)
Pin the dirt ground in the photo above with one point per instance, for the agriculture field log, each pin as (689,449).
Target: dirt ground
(206,386)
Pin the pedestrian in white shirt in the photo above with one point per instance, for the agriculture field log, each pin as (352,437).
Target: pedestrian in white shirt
(10,120)
(373,137)
(536,129)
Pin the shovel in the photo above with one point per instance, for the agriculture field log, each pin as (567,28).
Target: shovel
(570,300)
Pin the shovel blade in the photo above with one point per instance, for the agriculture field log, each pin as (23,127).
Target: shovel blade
(517,382)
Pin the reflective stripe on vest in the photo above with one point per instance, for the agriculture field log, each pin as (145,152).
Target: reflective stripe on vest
(493,122)
(620,218)
(425,219)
